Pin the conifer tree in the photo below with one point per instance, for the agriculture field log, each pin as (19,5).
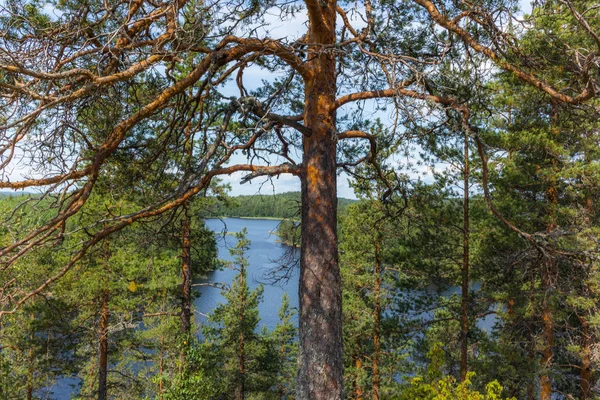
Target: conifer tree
(284,338)
(246,354)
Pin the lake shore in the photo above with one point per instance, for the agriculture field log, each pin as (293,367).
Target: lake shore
(253,218)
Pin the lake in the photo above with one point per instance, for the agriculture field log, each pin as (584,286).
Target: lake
(265,255)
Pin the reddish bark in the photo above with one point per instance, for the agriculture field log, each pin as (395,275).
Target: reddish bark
(586,377)
(548,342)
(376,379)
(186,272)
(464,317)
(103,356)
(103,333)
(358,389)
(320,361)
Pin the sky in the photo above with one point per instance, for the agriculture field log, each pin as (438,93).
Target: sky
(291,28)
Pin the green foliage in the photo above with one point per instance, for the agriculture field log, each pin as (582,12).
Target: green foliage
(235,355)
(288,232)
(284,338)
(280,206)
(435,386)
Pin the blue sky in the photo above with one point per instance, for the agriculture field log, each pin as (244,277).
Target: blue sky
(292,28)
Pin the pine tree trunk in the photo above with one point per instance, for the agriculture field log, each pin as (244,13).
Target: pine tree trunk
(358,389)
(587,341)
(281,390)
(103,331)
(92,380)
(548,270)
(376,379)
(103,356)
(548,342)
(240,387)
(29,389)
(161,366)
(464,317)
(320,361)
(186,272)
(586,378)
(530,391)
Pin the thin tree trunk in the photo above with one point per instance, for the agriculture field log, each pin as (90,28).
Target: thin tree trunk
(103,356)
(103,332)
(464,317)
(29,389)
(358,389)
(320,361)
(548,340)
(186,272)
(586,378)
(92,372)
(281,389)
(376,379)
(240,387)
(161,366)
(162,353)
(530,391)
(587,341)
(548,270)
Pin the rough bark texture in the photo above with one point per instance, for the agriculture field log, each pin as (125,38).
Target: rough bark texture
(186,272)
(464,317)
(103,356)
(320,359)
(376,380)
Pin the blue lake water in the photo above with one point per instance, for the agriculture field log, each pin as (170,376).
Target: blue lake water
(266,256)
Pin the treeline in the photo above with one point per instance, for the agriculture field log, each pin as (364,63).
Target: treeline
(117,323)
(478,281)
(280,206)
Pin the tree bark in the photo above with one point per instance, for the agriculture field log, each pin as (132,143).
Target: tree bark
(587,341)
(186,273)
(464,317)
(29,389)
(548,340)
(241,375)
(240,387)
(320,361)
(103,356)
(103,332)
(586,378)
(161,366)
(376,379)
(358,389)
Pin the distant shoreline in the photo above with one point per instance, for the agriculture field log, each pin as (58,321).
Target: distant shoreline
(230,216)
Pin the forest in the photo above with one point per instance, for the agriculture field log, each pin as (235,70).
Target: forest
(464,265)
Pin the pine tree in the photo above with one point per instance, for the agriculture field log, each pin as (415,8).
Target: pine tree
(284,338)
(247,355)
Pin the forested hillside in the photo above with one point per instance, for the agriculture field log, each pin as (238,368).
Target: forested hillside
(281,205)
(467,269)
